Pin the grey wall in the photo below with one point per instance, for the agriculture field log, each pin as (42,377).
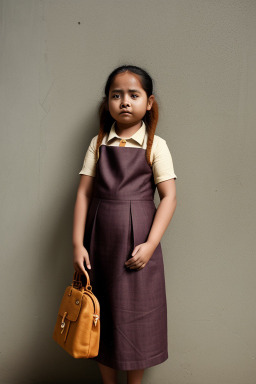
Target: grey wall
(202,57)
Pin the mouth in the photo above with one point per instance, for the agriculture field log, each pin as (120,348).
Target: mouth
(125,113)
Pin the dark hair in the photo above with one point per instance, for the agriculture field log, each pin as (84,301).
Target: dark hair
(146,80)
(150,118)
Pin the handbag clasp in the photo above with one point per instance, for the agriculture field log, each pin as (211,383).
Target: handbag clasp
(96,318)
(63,322)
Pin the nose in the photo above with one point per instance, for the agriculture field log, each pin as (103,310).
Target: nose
(125,103)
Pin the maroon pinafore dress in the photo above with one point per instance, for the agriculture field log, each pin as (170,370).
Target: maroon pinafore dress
(133,308)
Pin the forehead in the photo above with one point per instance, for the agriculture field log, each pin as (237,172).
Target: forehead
(126,80)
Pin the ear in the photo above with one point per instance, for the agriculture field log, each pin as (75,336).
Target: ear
(150,102)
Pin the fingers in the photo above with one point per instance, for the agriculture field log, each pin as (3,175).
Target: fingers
(83,269)
(87,260)
(79,264)
(79,268)
(134,260)
(136,249)
(139,257)
(136,264)
(142,266)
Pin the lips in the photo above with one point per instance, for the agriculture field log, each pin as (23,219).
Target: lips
(125,112)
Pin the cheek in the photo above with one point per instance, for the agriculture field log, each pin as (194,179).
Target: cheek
(112,106)
(141,104)
(113,103)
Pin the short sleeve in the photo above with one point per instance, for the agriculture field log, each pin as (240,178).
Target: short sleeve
(89,164)
(162,164)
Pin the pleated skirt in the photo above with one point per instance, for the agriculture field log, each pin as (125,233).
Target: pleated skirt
(133,309)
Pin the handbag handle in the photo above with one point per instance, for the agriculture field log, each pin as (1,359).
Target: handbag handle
(78,281)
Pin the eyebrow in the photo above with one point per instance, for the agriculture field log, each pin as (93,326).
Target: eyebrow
(120,90)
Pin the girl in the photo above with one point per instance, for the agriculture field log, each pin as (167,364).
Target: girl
(117,228)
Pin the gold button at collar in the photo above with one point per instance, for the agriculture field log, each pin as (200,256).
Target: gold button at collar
(122,143)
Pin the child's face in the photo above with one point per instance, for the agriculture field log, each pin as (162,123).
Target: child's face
(126,93)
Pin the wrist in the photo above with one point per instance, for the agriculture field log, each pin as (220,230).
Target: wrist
(77,245)
(153,244)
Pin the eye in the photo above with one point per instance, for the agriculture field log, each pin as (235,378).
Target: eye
(115,95)
(135,95)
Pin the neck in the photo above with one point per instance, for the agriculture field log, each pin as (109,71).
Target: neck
(127,131)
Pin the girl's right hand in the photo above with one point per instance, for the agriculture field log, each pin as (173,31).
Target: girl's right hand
(80,255)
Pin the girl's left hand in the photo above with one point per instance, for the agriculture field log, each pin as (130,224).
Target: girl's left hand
(141,255)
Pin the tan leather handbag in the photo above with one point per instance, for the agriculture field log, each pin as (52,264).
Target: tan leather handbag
(77,329)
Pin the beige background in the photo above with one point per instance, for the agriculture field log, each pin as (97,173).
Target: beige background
(202,57)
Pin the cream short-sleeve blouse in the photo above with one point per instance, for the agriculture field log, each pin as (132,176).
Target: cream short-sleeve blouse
(162,164)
